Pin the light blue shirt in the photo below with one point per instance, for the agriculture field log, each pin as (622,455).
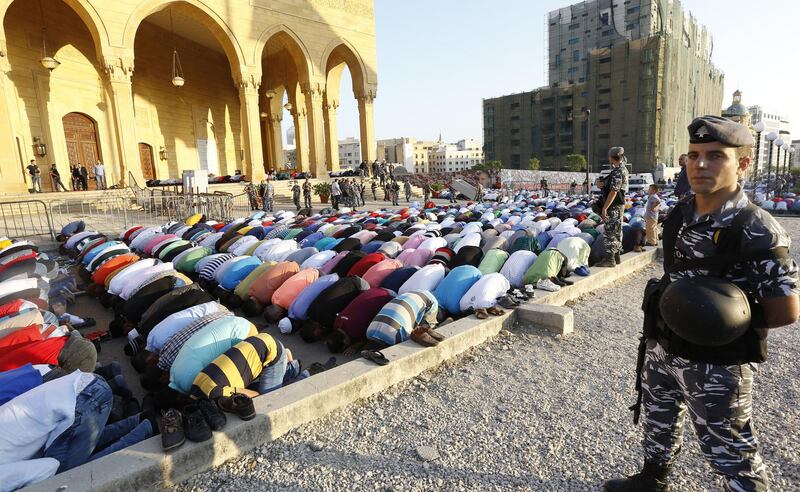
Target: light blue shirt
(205,346)
(299,307)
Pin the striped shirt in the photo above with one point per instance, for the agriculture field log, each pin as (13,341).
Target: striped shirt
(237,368)
(207,272)
(398,318)
(169,351)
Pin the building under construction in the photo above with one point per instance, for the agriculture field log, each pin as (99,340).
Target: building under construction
(643,69)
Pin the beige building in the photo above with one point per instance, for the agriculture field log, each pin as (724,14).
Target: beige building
(407,151)
(349,153)
(465,154)
(111,93)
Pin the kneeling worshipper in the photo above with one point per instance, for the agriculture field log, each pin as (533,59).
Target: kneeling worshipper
(61,424)
(262,288)
(321,314)
(482,297)
(350,326)
(284,295)
(454,286)
(410,315)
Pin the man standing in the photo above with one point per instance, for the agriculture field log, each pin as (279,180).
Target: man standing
(362,190)
(426,192)
(682,181)
(56,178)
(651,215)
(336,193)
(307,193)
(715,233)
(36,176)
(544,187)
(395,193)
(84,176)
(479,192)
(453,192)
(75,176)
(100,175)
(407,189)
(268,196)
(572,187)
(296,195)
(375,189)
(616,185)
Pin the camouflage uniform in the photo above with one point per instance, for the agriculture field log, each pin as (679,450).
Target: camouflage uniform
(307,194)
(612,232)
(717,397)
(268,200)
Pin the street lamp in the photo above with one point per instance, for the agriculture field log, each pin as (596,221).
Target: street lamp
(588,153)
(785,148)
(758,127)
(771,136)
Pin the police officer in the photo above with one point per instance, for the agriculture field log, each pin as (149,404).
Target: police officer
(307,193)
(710,379)
(614,189)
(296,195)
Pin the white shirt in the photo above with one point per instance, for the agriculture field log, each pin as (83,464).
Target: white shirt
(141,239)
(76,238)
(278,251)
(120,279)
(318,259)
(99,169)
(433,243)
(484,293)
(34,419)
(426,278)
(135,282)
(470,239)
(243,245)
(120,248)
(175,322)
(265,245)
(515,267)
(211,240)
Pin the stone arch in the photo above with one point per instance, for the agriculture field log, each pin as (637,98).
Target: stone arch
(297,50)
(87,14)
(341,52)
(200,12)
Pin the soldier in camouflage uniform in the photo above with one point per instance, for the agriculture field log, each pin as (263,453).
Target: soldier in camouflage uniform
(615,188)
(714,384)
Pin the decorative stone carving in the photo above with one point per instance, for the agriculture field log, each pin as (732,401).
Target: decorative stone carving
(118,69)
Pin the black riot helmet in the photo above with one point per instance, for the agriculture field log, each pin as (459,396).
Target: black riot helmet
(706,311)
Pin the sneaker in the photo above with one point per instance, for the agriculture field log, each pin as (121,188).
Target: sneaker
(241,405)
(172,435)
(617,258)
(214,416)
(195,426)
(547,284)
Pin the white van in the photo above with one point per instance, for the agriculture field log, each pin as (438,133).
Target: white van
(639,182)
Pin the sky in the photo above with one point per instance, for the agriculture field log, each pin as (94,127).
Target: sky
(437,60)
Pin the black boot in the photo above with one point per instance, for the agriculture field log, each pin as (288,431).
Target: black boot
(652,478)
(617,259)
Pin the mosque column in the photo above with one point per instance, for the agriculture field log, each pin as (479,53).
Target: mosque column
(276,142)
(118,72)
(249,83)
(366,120)
(13,178)
(331,135)
(300,139)
(316,148)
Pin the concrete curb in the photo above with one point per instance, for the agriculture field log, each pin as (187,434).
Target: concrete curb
(146,467)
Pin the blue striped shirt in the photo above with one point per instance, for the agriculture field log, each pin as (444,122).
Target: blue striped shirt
(398,318)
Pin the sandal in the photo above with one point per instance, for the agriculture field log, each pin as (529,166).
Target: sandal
(421,336)
(495,311)
(375,356)
(508,302)
(530,291)
(481,313)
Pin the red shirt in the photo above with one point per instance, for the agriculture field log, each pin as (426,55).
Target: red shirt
(365,263)
(39,352)
(28,334)
(356,317)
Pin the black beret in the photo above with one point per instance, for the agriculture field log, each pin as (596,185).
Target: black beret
(706,129)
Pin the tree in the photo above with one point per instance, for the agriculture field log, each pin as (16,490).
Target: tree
(534,164)
(575,163)
(487,166)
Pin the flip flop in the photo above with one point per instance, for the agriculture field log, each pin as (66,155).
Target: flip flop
(495,311)
(481,313)
(375,356)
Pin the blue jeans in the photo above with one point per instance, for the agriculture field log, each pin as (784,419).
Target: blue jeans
(271,378)
(89,432)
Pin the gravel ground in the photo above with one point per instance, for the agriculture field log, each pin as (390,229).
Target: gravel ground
(525,411)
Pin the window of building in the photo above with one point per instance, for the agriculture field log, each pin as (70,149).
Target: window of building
(515,142)
(576,55)
(605,60)
(603,121)
(632,10)
(558,60)
(574,26)
(514,105)
(515,160)
(603,106)
(604,91)
(604,18)
(574,41)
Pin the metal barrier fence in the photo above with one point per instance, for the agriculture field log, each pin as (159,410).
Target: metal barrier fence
(26,219)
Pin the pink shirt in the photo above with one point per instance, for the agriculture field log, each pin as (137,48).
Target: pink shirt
(415,257)
(414,241)
(328,267)
(364,236)
(378,272)
(289,290)
(148,248)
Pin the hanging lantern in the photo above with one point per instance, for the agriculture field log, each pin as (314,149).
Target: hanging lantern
(47,61)
(177,71)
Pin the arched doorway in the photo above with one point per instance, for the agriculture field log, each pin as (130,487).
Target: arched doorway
(80,134)
(146,161)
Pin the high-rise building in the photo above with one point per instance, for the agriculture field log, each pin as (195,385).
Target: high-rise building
(349,153)
(773,122)
(455,157)
(642,68)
